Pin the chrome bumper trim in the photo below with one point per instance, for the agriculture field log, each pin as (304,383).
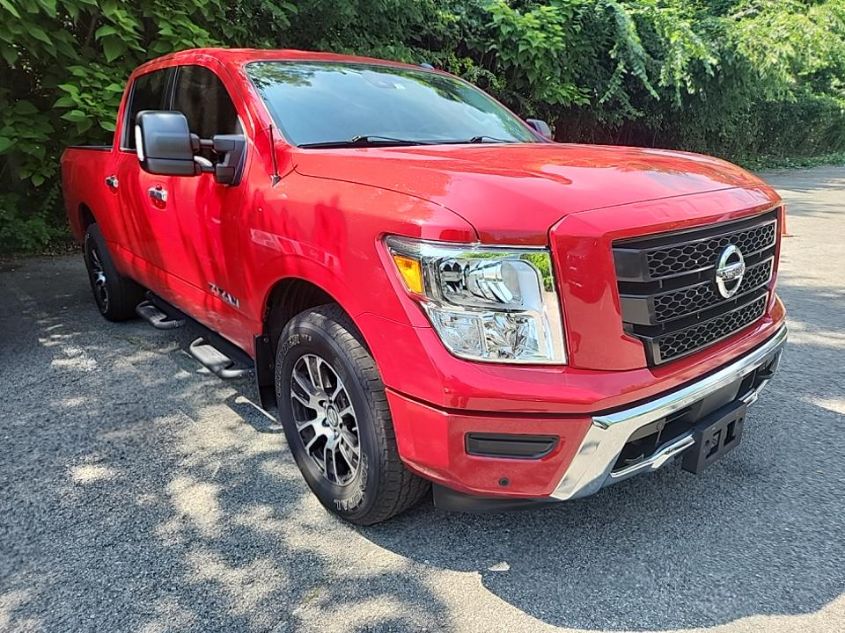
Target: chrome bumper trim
(591,469)
(654,461)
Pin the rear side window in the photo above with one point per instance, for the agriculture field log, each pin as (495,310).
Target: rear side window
(148,93)
(203,99)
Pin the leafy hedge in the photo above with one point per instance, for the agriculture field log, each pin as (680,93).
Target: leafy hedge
(750,80)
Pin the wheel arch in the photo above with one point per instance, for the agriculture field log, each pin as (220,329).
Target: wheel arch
(83,218)
(286,298)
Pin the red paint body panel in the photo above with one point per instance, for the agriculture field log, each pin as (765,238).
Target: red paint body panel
(512,193)
(431,441)
(324,220)
(585,268)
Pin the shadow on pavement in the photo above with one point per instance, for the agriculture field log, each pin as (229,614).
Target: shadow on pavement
(138,496)
(758,534)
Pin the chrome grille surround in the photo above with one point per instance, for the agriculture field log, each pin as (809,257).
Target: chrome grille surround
(667,285)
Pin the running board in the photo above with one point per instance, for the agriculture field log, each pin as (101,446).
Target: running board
(221,357)
(216,361)
(155,317)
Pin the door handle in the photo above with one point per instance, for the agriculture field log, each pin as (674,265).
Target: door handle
(158,194)
(112,182)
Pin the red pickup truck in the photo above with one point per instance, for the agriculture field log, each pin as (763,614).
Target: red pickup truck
(427,288)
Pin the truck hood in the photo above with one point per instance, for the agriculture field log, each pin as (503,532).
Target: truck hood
(514,193)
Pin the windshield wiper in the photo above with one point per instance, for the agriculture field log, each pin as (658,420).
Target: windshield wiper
(484,138)
(375,140)
(366,140)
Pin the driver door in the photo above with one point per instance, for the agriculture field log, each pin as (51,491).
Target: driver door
(209,216)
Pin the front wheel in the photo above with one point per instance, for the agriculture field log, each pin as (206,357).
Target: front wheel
(337,422)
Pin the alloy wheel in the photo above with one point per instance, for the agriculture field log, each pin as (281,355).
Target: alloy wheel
(325,419)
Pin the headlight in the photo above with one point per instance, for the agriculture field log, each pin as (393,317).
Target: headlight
(489,304)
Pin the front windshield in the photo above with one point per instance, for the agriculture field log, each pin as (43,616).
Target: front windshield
(330,104)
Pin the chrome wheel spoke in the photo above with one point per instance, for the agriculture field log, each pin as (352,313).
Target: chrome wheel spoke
(337,390)
(312,363)
(306,385)
(330,463)
(316,424)
(305,402)
(325,419)
(311,397)
(349,437)
(313,441)
(348,451)
(346,411)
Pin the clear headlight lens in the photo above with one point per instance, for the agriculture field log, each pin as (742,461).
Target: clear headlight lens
(489,304)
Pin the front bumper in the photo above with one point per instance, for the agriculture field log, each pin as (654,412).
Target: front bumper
(432,441)
(593,465)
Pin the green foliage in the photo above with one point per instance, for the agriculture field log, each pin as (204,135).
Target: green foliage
(533,52)
(750,80)
(64,64)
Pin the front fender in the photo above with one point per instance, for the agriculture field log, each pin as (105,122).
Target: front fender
(330,233)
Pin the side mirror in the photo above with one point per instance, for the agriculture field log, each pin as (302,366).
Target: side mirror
(163,143)
(541,127)
(166,147)
(232,147)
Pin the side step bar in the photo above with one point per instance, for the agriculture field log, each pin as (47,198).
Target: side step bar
(155,317)
(216,361)
(219,356)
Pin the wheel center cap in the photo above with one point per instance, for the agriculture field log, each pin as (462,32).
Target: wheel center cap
(332,417)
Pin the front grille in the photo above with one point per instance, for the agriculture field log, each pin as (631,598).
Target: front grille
(668,291)
(666,262)
(692,338)
(679,303)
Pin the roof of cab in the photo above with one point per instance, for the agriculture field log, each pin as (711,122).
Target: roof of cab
(241,56)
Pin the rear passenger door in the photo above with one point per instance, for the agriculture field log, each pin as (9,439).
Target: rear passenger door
(145,222)
(210,216)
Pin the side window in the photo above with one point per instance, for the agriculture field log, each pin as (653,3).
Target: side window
(147,94)
(203,99)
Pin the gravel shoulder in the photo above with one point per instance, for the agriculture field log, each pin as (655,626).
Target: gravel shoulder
(139,493)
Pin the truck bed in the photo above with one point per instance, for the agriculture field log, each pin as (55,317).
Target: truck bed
(84,169)
(96,148)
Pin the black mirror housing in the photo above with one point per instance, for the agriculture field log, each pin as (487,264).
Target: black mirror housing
(541,127)
(233,149)
(163,143)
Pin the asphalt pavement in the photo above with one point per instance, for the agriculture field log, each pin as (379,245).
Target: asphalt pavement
(138,493)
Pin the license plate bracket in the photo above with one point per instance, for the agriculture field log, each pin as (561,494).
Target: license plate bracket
(715,436)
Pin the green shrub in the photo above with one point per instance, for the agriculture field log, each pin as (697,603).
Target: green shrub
(732,78)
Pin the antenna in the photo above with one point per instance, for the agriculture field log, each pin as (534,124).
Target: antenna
(276,178)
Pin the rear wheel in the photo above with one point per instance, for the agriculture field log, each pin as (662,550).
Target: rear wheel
(115,295)
(334,411)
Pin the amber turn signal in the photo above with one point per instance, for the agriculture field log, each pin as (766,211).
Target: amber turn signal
(411,272)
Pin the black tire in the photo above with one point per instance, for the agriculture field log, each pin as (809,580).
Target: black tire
(380,487)
(116,296)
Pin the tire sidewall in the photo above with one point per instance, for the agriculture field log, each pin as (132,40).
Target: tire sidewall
(123,293)
(93,240)
(358,496)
